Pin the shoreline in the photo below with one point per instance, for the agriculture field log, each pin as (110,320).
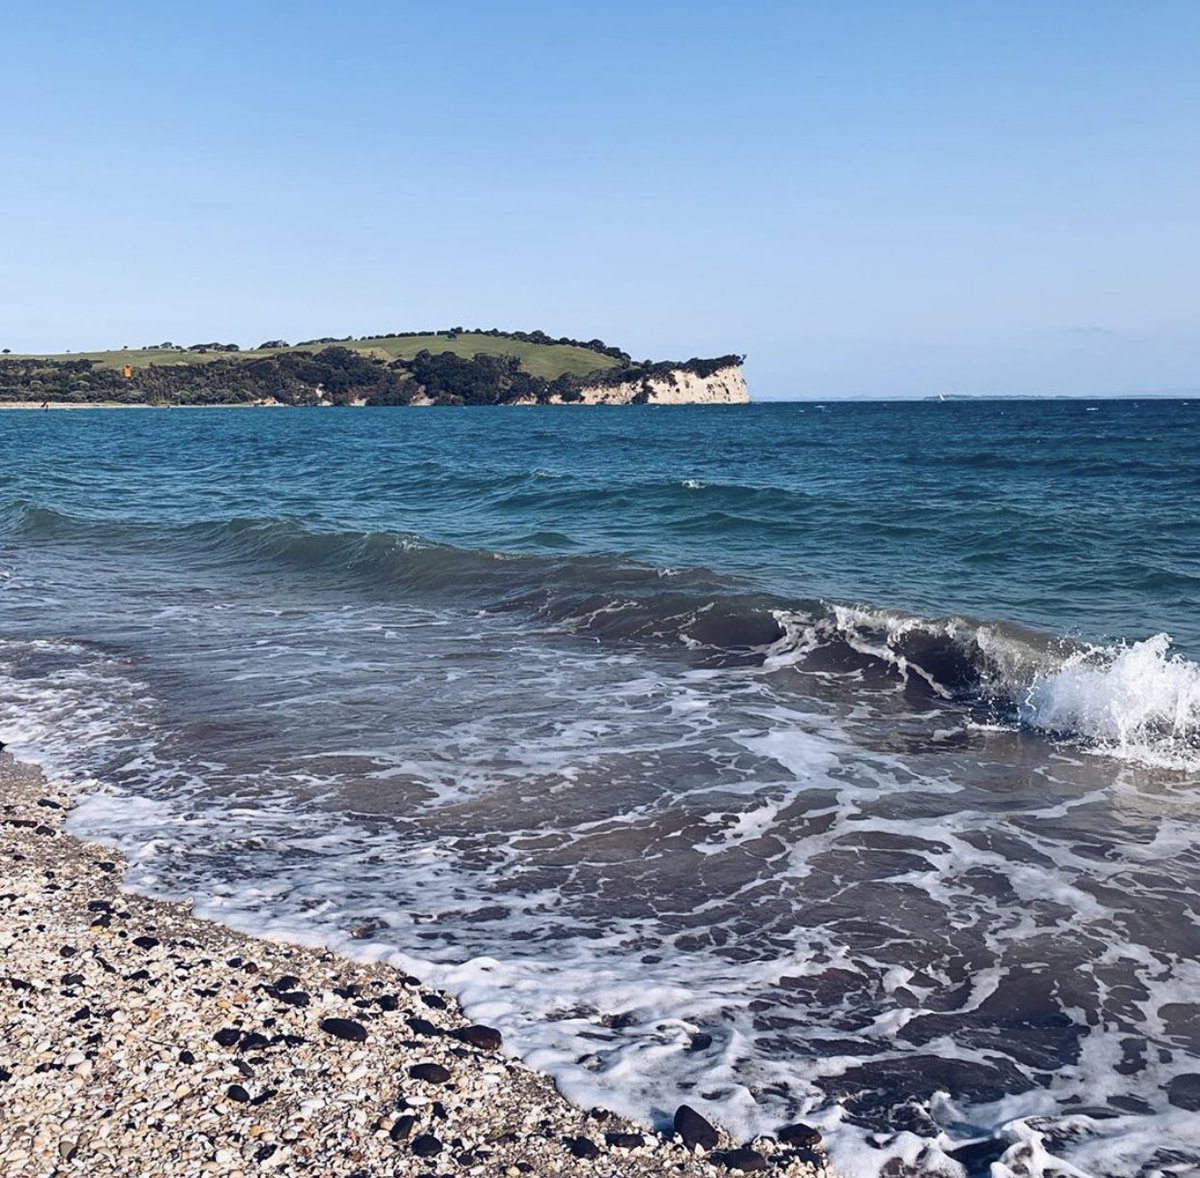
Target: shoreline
(138,1038)
(38,406)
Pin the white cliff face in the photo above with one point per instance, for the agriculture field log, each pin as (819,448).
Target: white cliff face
(726,386)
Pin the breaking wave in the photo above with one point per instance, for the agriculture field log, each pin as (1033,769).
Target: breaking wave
(1137,701)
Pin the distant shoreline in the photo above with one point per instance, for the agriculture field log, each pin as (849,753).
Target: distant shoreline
(37,405)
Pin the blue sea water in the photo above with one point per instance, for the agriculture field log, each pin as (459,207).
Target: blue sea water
(828,762)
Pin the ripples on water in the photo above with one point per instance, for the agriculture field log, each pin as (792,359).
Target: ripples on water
(807,765)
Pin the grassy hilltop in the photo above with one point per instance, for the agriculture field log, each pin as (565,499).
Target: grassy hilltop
(545,360)
(453,367)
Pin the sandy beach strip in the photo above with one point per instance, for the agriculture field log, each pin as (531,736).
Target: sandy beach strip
(136,1039)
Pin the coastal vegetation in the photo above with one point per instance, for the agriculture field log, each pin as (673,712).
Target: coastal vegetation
(453,367)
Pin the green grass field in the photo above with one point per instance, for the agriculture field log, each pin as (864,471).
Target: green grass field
(544,360)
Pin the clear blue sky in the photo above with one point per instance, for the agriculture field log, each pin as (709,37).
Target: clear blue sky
(890,198)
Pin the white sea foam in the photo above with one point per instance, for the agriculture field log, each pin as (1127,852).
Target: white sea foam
(543,817)
(1140,703)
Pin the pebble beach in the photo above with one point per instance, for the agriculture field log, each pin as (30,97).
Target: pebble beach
(136,1039)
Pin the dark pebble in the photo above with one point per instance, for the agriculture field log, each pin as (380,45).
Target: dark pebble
(227,1036)
(46,802)
(426,1146)
(582,1147)
(743,1159)
(434,1000)
(694,1129)
(422,1026)
(146,942)
(388,1002)
(264,1151)
(107,865)
(625,1140)
(293,997)
(243,1067)
(253,1041)
(344,1028)
(799,1134)
(238,1093)
(403,1128)
(186,1057)
(68,951)
(287,982)
(99,906)
(72,979)
(5,1075)
(700,1042)
(485,1038)
(1183,1091)
(264,1096)
(431,1073)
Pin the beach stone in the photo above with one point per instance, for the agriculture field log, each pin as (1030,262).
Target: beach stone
(227,1036)
(582,1147)
(625,1140)
(422,1026)
(253,1041)
(431,1073)
(388,1002)
(744,1159)
(286,981)
(435,1001)
(700,1042)
(1184,1091)
(146,942)
(426,1146)
(799,1134)
(293,997)
(403,1128)
(238,1093)
(344,1028)
(694,1129)
(477,1035)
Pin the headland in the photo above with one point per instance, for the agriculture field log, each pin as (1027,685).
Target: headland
(445,368)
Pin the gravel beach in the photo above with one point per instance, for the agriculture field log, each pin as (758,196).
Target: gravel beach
(138,1040)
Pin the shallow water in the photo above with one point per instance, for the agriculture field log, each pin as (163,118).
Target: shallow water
(797,761)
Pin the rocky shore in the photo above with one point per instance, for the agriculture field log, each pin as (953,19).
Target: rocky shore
(138,1040)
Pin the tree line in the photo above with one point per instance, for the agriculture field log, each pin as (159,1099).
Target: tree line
(333,375)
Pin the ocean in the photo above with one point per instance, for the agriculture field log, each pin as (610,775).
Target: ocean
(825,762)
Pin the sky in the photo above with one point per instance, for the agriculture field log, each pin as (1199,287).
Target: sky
(867,199)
